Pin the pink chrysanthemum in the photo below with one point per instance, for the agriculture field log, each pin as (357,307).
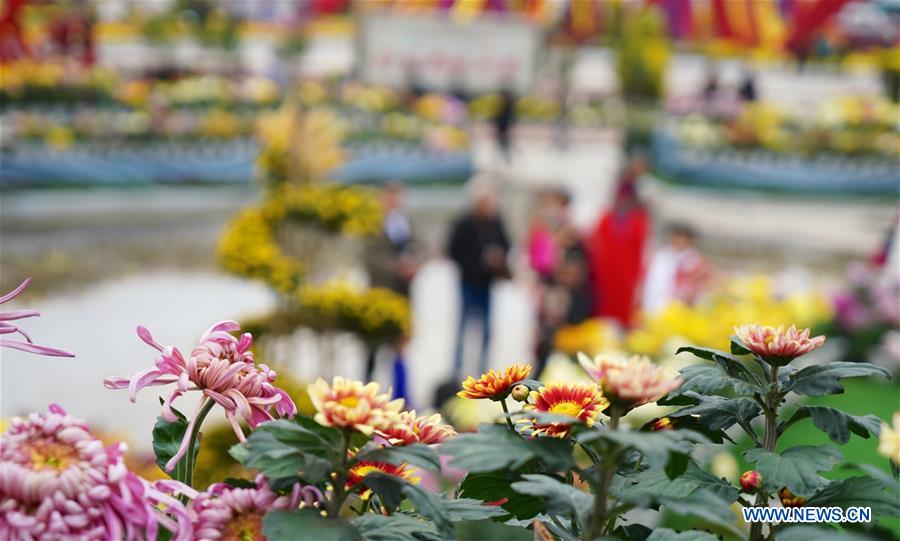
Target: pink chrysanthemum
(58,482)
(228,513)
(777,346)
(222,368)
(629,383)
(11,328)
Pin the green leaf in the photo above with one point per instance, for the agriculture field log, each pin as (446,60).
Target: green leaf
(718,413)
(392,490)
(468,509)
(306,525)
(822,379)
(485,530)
(167,438)
(859,492)
(417,454)
(492,448)
(558,497)
(285,448)
(796,468)
(737,347)
(665,534)
(396,527)
(836,423)
(657,447)
(704,505)
(496,486)
(644,487)
(736,372)
(703,378)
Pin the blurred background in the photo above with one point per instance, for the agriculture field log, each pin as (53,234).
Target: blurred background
(413,191)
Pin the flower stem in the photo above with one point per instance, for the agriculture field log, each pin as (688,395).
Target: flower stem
(606,471)
(509,422)
(192,442)
(340,478)
(770,438)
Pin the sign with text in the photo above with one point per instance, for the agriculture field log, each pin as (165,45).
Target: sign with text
(439,53)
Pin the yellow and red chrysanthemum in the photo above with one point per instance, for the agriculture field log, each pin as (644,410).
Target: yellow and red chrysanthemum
(494,385)
(350,404)
(580,401)
(408,429)
(631,382)
(361,469)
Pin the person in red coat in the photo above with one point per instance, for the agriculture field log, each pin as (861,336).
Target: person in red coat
(616,249)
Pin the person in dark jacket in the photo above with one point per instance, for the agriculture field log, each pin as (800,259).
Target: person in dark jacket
(504,120)
(391,263)
(479,246)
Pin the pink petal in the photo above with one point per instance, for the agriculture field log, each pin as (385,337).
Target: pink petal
(144,334)
(18,314)
(15,292)
(32,348)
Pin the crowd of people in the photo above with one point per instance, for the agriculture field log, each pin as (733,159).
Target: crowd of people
(608,271)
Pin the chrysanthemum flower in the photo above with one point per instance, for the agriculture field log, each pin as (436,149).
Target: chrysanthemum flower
(494,385)
(777,346)
(408,429)
(361,469)
(58,482)
(228,513)
(222,368)
(11,328)
(629,383)
(350,404)
(751,481)
(889,440)
(580,401)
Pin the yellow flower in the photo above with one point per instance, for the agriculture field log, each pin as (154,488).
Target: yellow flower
(361,469)
(494,385)
(580,401)
(889,440)
(350,404)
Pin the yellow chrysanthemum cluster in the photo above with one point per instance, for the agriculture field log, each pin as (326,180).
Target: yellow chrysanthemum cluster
(312,138)
(711,323)
(248,245)
(377,315)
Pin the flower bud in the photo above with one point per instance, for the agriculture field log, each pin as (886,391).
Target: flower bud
(520,392)
(789,499)
(663,423)
(751,481)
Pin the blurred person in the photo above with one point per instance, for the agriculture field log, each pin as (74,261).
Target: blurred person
(548,220)
(710,84)
(568,300)
(504,120)
(391,263)
(677,272)
(616,249)
(747,89)
(479,246)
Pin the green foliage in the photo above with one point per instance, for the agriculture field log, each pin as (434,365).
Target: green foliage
(719,413)
(860,492)
(285,448)
(656,447)
(417,454)
(665,534)
(642,54)
(494,447)
(822,379)
(497,486)
(796,468)
(558,497)
(306,525)
(167,437)
(834,422)
(396,527)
